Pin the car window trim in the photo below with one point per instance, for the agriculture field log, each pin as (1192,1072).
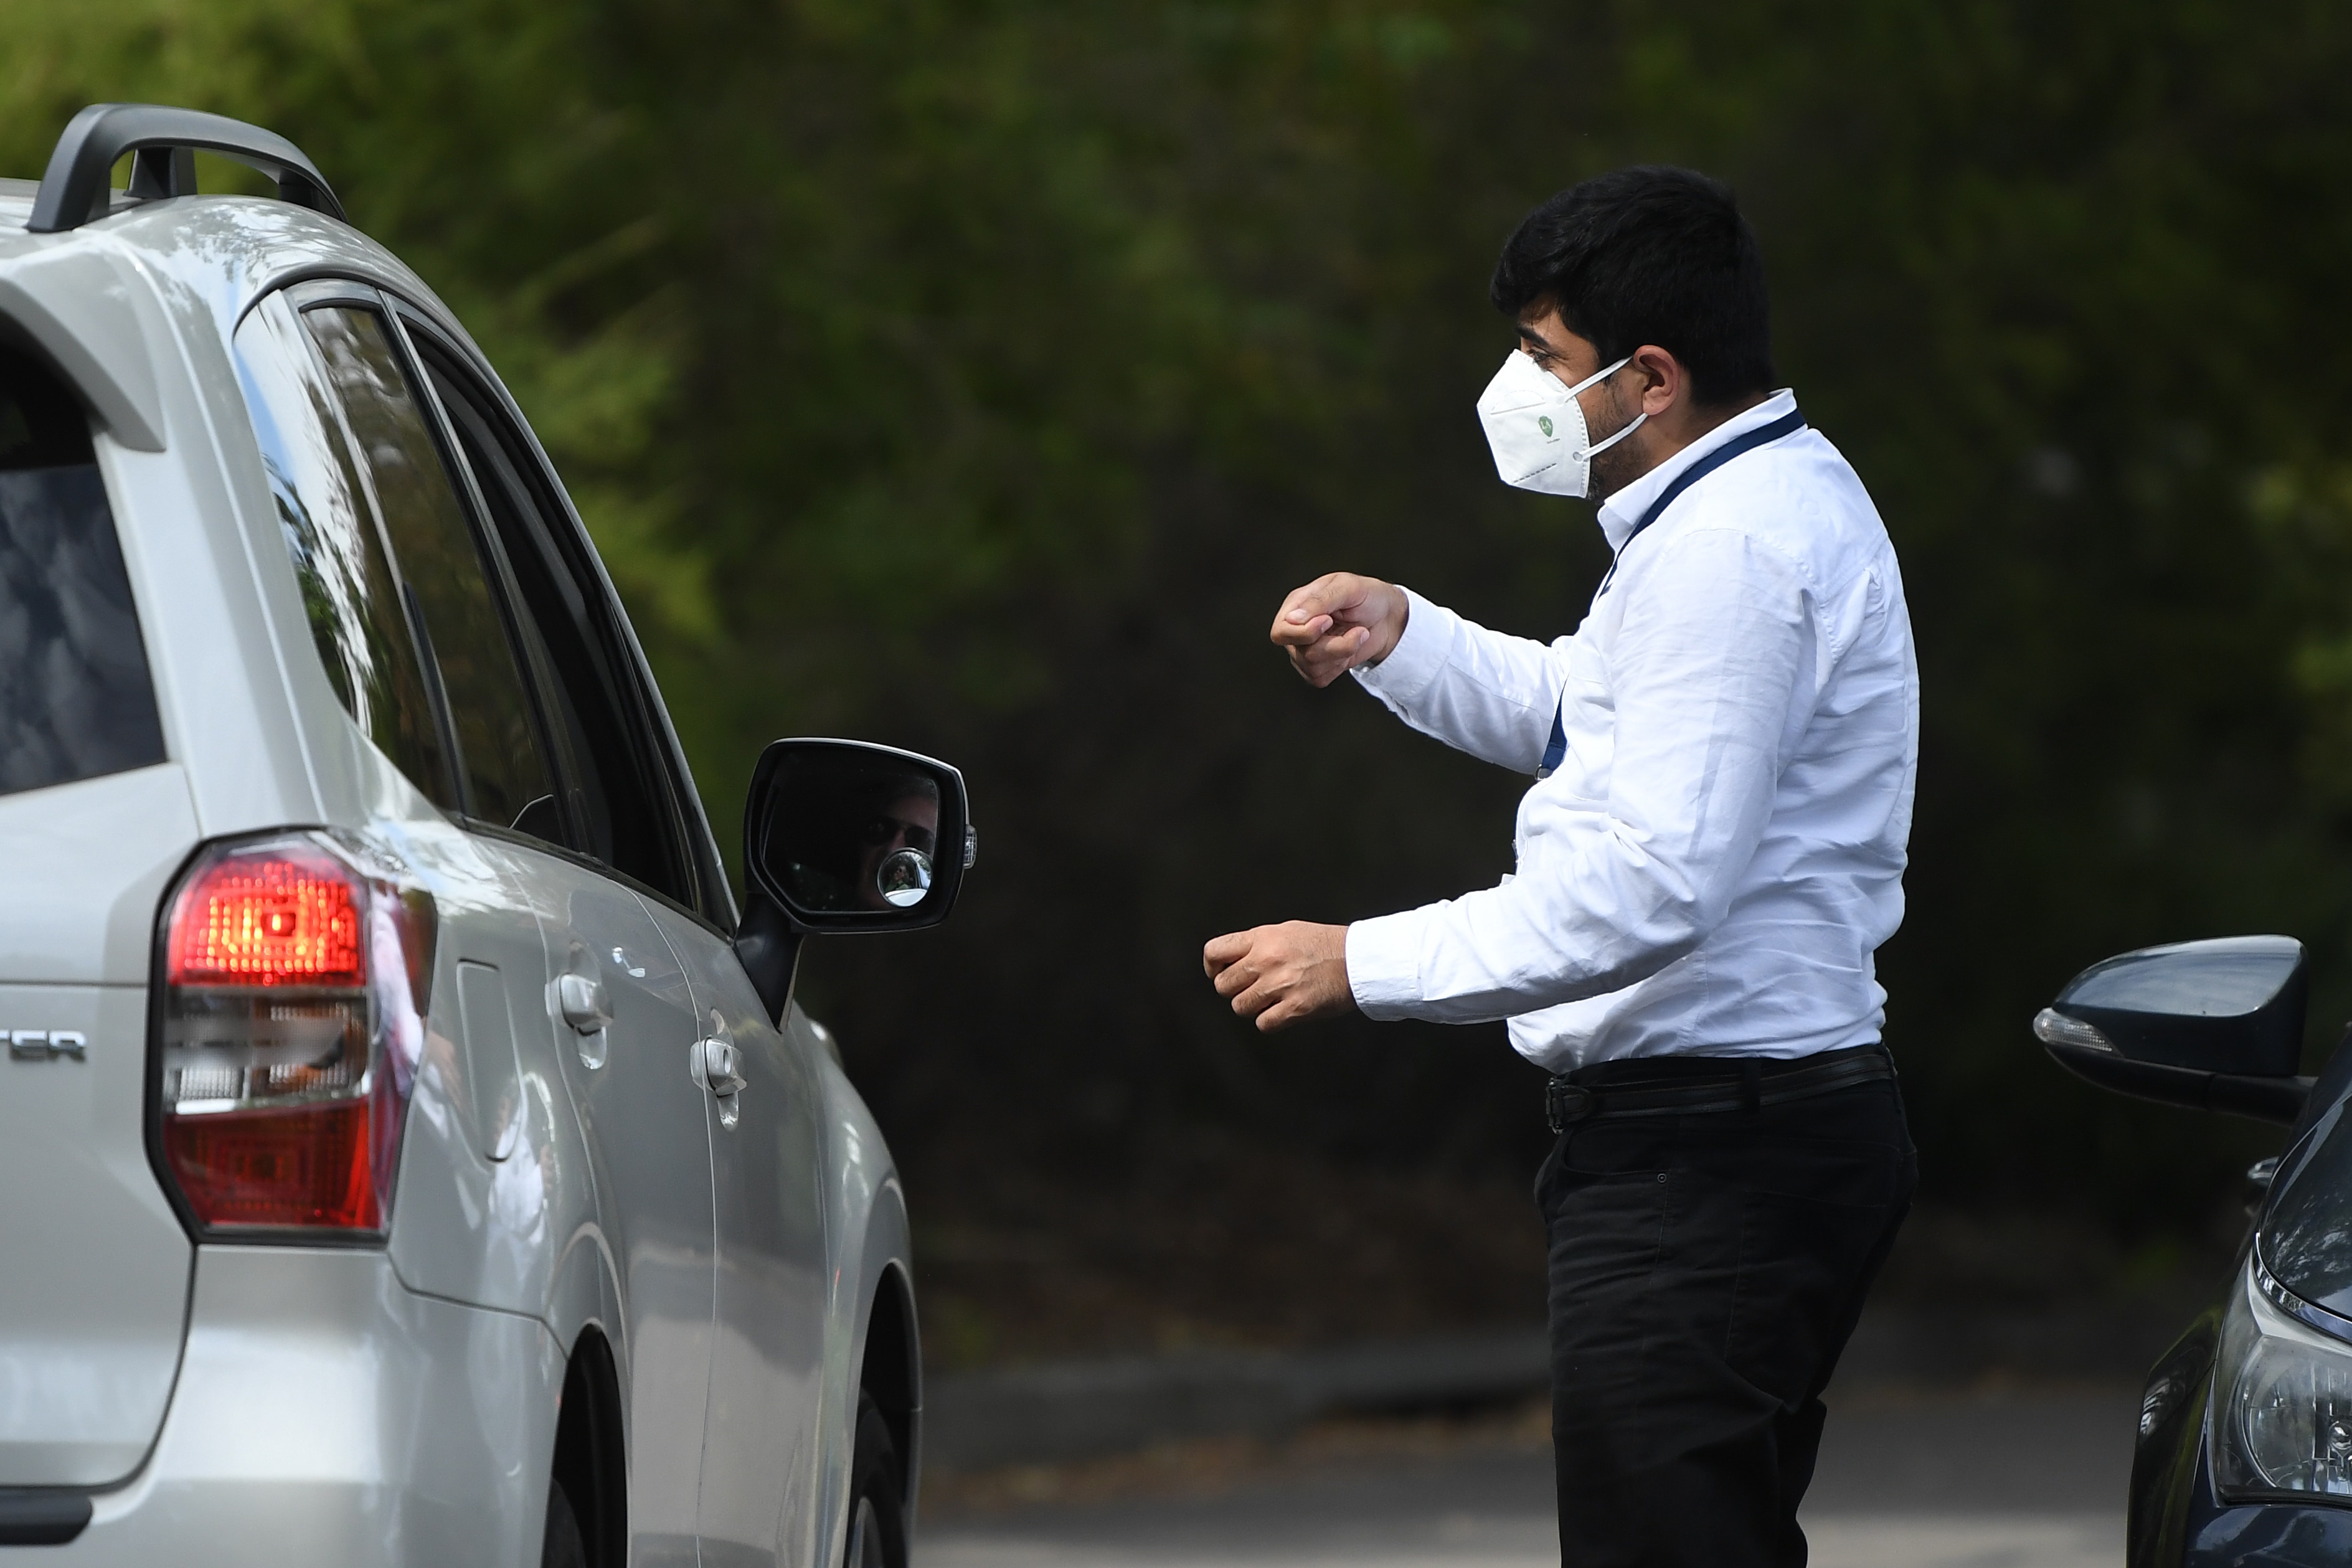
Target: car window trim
(647,717)
(498,571)
(479,496)
(323,294)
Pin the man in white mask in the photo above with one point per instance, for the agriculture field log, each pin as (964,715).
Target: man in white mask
(1724,756)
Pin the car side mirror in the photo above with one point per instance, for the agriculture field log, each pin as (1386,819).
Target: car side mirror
(841,836)
(2215,1026)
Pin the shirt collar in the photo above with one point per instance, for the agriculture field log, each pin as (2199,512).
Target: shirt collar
(1621,512)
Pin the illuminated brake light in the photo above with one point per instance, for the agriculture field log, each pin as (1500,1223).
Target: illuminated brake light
(295,975)
(270,921)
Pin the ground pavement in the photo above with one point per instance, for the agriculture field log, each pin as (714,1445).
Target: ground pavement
(1991,1479)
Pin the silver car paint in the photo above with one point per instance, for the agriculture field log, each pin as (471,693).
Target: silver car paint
(259,741)
(648,1137)
(767,1350)
(327,1414)
(92,1298)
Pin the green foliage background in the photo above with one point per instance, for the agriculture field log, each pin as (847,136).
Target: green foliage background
(978,376)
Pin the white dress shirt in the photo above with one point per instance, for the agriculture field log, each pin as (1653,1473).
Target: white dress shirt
(1719,853)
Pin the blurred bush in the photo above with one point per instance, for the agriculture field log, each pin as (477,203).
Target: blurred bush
(978,376)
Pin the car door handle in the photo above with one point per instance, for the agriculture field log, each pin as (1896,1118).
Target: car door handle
(581,1000)
(719,1067)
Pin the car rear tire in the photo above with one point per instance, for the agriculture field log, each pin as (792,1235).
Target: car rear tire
(877,1494)
(562,1547)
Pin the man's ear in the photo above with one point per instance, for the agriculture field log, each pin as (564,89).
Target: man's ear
(1666,383)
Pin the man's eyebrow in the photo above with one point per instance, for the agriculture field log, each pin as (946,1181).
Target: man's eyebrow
(1529,334)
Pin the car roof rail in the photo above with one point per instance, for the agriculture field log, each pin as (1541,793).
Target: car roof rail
(162,142)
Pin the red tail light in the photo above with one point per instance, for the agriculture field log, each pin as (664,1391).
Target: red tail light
(294,995)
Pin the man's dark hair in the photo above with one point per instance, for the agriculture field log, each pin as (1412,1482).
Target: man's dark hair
(1650,256)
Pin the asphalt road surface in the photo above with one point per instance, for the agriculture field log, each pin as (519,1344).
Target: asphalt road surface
(2016,1479)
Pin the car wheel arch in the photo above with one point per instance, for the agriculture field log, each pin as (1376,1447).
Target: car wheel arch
(591,1457)
(890,1366)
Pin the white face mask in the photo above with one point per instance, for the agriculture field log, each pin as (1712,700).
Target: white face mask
(1537,428)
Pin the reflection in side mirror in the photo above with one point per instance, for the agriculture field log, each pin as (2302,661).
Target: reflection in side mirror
(904,877)
(844,837)
(2215,1026)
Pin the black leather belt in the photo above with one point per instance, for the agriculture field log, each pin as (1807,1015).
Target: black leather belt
(1741,1085)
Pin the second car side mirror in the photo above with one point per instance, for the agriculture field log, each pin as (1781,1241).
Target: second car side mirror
(2215,1026)
(841,836)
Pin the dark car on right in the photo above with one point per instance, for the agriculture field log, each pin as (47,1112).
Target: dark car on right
(2244,1448)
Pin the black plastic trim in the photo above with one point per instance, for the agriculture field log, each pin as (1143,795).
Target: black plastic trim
(2277,1100)
(42,1516)
(768,946)
(74,187)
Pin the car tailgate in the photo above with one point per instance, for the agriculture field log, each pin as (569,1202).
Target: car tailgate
(93,1290)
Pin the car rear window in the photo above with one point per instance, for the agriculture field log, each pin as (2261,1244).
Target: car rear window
(76,697)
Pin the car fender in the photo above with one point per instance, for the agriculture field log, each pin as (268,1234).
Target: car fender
(870,1250)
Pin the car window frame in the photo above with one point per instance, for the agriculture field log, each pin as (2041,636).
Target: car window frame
(711,901)
(330,293)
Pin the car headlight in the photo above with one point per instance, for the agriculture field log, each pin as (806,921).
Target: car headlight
(2283,1413)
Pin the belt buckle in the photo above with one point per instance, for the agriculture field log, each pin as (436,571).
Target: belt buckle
(1565,1102)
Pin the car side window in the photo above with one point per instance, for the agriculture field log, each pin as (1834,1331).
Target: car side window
(503,764)
(75,699)
(616,789)
(350,594)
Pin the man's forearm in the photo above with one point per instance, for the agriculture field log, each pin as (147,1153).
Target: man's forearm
(1480,691)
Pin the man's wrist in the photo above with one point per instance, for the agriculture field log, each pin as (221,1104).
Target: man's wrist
(1394,621)
(1424,641)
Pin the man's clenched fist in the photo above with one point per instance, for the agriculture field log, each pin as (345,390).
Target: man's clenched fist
(1282,974)
(1337,622)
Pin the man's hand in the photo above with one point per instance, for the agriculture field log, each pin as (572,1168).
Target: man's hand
(1282,974)
(1337,622)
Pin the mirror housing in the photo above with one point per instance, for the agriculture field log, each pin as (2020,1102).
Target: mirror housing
(2214,1026)
(841,836)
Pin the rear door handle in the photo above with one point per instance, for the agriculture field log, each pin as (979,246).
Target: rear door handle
(719,1067)
(581,1000)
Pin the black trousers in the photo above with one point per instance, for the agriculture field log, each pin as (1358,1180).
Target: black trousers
(1706,1273)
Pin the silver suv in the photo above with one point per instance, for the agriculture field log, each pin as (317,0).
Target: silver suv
(409,1154)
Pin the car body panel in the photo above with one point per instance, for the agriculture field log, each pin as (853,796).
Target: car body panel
(325,1414)
(648,1137)
(765,1427)
(94,1297)
(871,1243)
(82,866)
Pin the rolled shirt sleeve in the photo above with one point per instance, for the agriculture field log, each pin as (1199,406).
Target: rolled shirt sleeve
(1712,672)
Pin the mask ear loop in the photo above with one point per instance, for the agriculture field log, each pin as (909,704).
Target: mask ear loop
(1598,376)
(1638,419)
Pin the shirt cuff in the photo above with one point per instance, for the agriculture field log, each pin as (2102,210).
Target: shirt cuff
(1384,965)
(1420,653)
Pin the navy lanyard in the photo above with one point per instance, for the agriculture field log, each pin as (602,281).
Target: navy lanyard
(1789,423)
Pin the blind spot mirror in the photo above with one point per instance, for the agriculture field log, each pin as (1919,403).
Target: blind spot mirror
(904,878)
(843,835)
